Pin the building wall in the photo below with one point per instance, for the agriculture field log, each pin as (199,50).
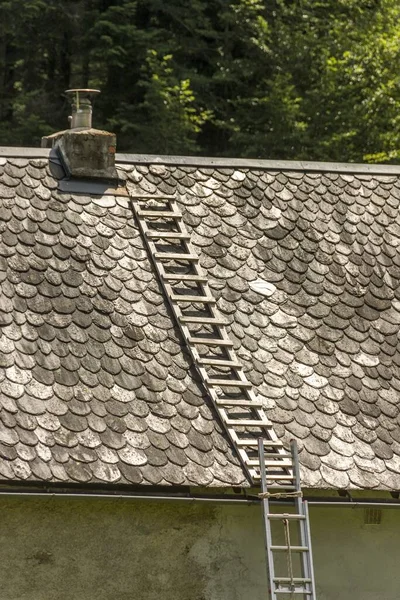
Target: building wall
(88,549)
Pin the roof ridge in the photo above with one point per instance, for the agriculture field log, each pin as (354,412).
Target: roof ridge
(225,162)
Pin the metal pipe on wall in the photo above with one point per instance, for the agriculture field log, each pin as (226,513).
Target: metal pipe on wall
(355,504)
(249,500)
(217,499)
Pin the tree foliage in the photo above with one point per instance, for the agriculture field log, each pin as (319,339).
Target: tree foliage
(308,79)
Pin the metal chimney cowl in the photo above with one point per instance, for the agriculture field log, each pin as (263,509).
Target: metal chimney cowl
(86,153)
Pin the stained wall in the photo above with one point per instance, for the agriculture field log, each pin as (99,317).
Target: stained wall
(80,549)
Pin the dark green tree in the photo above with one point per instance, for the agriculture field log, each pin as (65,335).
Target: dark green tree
(313,79)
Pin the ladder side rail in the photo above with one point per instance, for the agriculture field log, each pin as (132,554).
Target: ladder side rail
(267,524)
(301,508)
(310,554)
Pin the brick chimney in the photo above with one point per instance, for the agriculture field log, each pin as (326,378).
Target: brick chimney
(86,153)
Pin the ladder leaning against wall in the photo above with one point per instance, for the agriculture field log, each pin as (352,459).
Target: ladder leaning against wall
(241,412)
(294,554)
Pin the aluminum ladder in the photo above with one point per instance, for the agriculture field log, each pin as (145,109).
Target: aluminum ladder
(296,558)
(186,288)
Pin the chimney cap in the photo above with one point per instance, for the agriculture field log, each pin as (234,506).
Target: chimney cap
(83,90)
(81,104)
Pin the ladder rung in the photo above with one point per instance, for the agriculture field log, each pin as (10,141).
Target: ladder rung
(210,341)
(248,423)
(219,363)
(228,383)
(166,235)
(292,548)
(273,477)
(269,455)
(182,298)
(283,454)
(235,402)
(253,442)
(203,321)
(274,462)
(159,213)
(146,197)
(274,456)
(175,256)
(184,277)
(294,580)
(288,516)
(295,590)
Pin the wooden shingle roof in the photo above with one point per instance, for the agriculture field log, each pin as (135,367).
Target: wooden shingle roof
(96,384)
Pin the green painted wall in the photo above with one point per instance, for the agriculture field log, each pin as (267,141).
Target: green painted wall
(77,549)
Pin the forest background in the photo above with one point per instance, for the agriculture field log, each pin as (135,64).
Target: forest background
(305,79)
